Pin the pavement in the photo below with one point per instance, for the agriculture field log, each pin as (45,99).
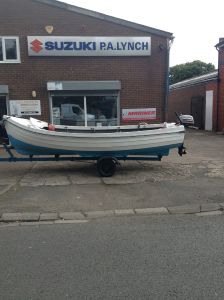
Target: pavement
(194,181)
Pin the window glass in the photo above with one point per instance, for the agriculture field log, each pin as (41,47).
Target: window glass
(1,51)
(10,48)
(104,109)
(69,110)
(76,110)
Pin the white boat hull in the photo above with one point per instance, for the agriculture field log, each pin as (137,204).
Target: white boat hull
(31,140)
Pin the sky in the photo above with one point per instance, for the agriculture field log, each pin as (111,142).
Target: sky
(196,25)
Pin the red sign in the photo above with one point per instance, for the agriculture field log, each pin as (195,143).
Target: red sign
(139,114)
(36,46)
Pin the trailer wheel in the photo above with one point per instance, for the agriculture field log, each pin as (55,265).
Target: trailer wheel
(106,166)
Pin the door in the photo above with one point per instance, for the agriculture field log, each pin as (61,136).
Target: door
(198,111)
(209,110)
(3,111)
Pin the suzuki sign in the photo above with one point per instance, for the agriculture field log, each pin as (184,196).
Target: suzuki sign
(88,46)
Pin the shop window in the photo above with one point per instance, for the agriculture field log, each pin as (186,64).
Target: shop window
(84,110)
(104,109)
(9,50)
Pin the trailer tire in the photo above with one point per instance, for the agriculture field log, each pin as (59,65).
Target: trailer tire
(106,166)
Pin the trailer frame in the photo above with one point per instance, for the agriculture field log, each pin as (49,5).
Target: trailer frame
(106,165)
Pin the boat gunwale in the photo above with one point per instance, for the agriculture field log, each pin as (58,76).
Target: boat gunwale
(95,134)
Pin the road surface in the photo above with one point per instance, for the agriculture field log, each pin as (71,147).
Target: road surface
(157,257)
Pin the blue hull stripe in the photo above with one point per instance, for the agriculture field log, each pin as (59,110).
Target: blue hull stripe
(27,149)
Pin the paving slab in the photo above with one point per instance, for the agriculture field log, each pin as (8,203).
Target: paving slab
(70,221)
(4,189)
(8,181)
(118,179)
(184,209)
(99,214)
(46,222)
(124,212)
(57,181)
(151,211)
(11,217)
(209,213)
(50,216)
(84,179)
(38,183)
(71,216)
(209,207)
(30,216)
(32,179)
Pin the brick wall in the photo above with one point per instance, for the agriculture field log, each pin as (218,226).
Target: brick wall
(142,78)
(180,99)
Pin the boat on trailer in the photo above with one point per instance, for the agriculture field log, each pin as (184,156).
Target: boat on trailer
(106,144)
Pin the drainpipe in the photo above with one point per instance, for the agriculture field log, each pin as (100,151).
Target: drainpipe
(217,101)
(219,47)
(169,43)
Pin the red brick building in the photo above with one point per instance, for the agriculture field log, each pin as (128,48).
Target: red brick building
(190,97)
(70,65)
(202,97)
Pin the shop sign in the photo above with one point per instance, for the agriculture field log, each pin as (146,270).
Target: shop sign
(139,114)
(54,86)
(88,46)
(24,107)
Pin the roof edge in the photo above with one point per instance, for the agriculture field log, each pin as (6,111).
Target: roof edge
(195,80)
(105,17)
(220,44)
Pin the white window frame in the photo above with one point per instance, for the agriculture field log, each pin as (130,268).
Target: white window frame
(10,61)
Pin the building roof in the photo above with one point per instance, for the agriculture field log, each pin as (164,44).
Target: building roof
(104,17)
(220,45)
(195,80)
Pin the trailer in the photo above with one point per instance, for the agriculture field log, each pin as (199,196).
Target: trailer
(107,145)
(106,165)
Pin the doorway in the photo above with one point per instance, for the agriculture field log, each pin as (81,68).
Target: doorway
(198,111)
(3,111)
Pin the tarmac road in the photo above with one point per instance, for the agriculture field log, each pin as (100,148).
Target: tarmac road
(163,257)
(196,178)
